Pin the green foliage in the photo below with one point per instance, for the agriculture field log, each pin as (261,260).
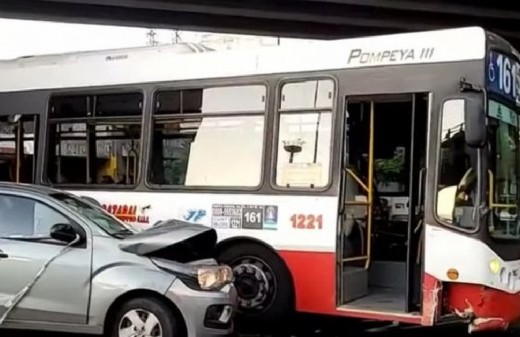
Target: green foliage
(390,169)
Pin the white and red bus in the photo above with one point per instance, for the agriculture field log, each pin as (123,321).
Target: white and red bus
(372,177)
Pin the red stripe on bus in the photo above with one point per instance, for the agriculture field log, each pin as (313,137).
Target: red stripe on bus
(314,276)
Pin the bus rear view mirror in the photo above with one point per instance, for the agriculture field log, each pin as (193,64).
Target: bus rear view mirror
(475,121)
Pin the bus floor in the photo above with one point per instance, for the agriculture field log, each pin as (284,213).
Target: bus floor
(385,290)
(383,299)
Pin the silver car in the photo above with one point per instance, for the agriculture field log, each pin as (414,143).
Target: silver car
(66,265)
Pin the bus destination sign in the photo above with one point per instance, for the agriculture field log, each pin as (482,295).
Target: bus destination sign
(502,76)
(388,56)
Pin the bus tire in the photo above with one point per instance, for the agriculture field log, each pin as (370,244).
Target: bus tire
(263,282)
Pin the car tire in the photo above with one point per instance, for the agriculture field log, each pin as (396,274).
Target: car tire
(254,262)
(144,307)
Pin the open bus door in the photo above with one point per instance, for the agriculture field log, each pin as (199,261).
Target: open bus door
(18,133)
(357,221)
(381,215)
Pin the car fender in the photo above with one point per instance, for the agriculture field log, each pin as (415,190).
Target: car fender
(116,279)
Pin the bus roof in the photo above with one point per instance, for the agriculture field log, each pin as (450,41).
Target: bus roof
(168,63)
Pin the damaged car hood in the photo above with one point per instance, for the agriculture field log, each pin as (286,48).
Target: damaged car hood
(173,240)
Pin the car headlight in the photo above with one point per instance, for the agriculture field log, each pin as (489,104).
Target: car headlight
(214,277)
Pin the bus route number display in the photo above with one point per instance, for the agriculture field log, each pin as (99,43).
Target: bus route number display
(232,216)
(502,76)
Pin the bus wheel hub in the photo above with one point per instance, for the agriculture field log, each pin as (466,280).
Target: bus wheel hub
(252,285)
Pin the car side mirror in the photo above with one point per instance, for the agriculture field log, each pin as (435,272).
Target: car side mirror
(475,121)
(63,232)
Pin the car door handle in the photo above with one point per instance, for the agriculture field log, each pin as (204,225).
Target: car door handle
(3,255)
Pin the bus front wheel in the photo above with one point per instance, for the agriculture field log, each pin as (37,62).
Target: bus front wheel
(263,283)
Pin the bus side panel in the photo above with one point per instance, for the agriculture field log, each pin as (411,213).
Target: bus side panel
(301,228)
(314,275)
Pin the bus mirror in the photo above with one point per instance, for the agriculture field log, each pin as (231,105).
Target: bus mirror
(475,121)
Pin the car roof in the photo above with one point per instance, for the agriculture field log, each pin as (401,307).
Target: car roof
(28,188)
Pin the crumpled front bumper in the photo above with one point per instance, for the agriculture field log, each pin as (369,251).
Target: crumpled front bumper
(485,308)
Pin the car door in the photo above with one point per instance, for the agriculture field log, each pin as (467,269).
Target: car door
(61,295)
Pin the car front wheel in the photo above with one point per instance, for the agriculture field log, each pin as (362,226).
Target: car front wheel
(140,317)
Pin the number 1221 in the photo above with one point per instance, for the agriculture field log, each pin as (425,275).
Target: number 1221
(309,221)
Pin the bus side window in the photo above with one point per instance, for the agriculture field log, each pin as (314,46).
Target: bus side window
(94,139)
(17,136)
(305,134)
(209,137)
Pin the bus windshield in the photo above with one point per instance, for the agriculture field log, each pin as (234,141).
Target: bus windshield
(503,171)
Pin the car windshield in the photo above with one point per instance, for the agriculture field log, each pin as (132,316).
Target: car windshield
(97,215)
(503,171)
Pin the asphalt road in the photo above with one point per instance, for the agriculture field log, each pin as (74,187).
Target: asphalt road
(349,329)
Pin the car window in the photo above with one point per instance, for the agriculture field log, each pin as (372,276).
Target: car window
(27,217)
(97,215)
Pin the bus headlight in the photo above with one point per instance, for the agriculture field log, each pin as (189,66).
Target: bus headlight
(214,277)
(494,266)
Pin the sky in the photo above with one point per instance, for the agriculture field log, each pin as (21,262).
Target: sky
(25,38)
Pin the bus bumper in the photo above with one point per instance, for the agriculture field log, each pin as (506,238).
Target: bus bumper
(487,309)
(488,324)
